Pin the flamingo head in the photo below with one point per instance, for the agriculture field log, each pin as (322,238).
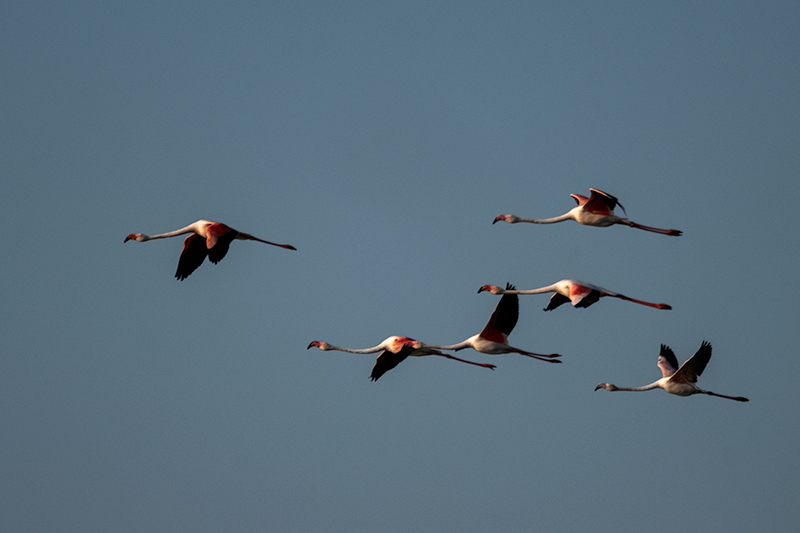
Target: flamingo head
(511,219)
(606,386)
(494,289)
(319,344)
(136,237)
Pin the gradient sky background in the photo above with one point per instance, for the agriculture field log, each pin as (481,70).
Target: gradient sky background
(381,139)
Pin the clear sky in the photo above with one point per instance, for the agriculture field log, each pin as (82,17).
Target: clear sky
(381,139)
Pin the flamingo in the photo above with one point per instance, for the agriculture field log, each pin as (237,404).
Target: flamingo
(681,381)
(393,350)
(206,238)
(597,210)
(494,337)
(581,294)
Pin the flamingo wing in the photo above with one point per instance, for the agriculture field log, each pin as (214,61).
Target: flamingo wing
(193,254)
(583,296)
(220,249)
(579,199)
(602,203)
(555,300)
(504,317)
(695,365)
(219,240)
(387,360)
(667,361)
(586,299)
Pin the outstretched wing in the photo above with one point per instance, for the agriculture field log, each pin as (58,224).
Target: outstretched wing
(193,254)
(579,199)
(504,317)
(602,203)
(695,365)
(667,361)
(388,360)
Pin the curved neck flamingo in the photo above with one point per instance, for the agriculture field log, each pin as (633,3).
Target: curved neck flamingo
(206,229)
(580,293)
(394,350)
(493,339)
(681,381)
(597,210)
(206,239)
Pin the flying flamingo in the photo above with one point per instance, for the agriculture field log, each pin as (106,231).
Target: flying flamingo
(206,238)
(494,337)
(581,294)
(598,210)
(394,350)
(681,381)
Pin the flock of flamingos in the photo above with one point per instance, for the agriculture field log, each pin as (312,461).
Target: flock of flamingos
(212,240)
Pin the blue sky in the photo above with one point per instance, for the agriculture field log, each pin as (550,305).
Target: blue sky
(381,139)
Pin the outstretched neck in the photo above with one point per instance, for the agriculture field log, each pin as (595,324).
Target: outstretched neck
(455,347)
(549,288)
(651,386)
(192,228)
(374,349)
(566,216)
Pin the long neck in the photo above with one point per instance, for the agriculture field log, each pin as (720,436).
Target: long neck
(374,349)
(456,347)
(549,288)
(192,228)
(652,386)
(566,216)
